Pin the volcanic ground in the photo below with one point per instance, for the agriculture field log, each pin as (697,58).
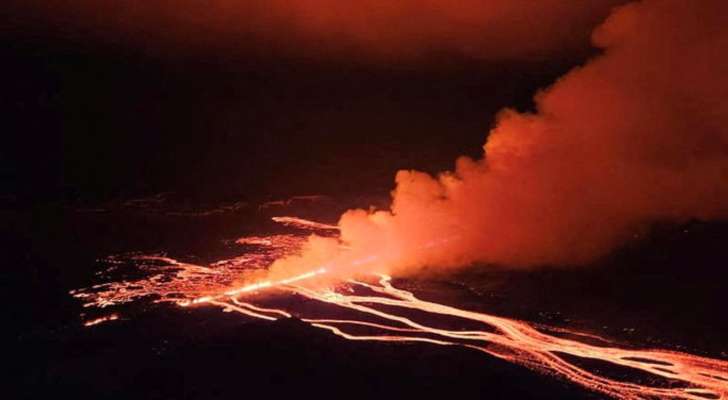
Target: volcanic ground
(662,291)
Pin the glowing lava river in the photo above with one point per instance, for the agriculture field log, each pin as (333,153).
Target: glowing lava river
(372,308)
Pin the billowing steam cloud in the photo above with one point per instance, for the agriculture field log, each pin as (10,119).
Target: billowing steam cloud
(389,30)
(638,134)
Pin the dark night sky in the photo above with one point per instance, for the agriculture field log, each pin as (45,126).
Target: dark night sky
(91,117)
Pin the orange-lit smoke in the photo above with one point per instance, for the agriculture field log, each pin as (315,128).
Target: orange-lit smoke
(637,135)
(391,30)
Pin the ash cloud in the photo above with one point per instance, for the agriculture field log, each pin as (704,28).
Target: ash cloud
(394,30)
(638,134)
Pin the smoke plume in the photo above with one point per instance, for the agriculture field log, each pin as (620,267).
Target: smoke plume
(391,30)
(636,135)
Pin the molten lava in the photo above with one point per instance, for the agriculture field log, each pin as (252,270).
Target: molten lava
(101,320)
(376,310)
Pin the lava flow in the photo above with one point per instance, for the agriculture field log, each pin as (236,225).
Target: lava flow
(372,308)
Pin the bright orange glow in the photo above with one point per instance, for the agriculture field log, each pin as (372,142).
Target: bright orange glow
(386,313)
(101,320)
(304,223)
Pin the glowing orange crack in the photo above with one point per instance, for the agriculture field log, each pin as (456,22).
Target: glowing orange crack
(101,320)
(253,288)
(304,223)
(520,343)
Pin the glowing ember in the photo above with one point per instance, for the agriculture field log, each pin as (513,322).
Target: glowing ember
(376,310)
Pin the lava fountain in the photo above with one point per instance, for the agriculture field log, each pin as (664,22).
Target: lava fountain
(375,309)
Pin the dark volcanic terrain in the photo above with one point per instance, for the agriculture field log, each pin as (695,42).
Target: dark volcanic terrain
(637,297)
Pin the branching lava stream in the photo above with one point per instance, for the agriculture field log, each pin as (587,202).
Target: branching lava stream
(376,310)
